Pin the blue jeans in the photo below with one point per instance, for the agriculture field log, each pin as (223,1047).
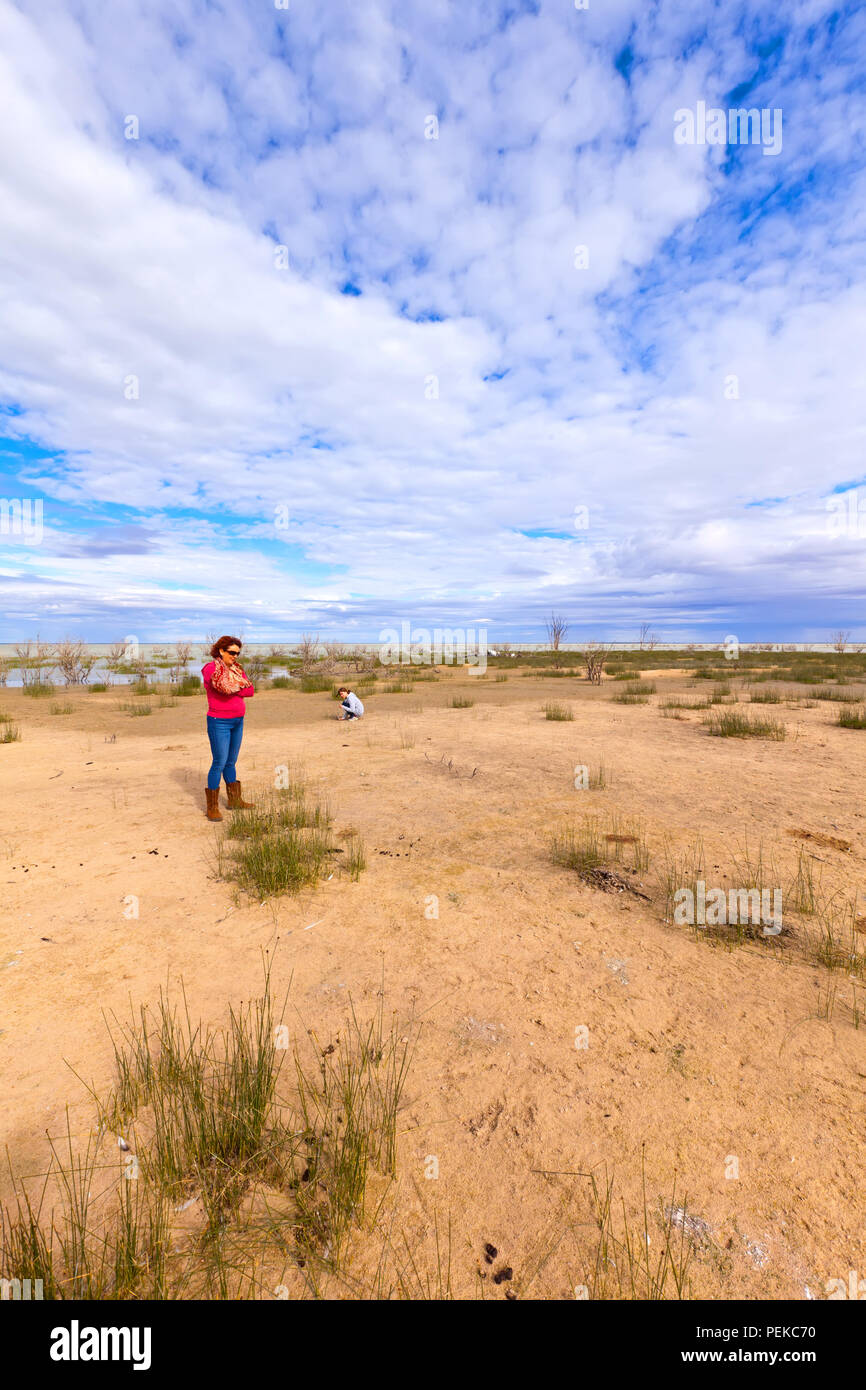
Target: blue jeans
(225,743)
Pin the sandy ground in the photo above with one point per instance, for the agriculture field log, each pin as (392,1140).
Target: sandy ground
(697,1054)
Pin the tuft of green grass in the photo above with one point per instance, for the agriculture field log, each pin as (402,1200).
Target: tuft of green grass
(282,683)
(356,858)
(679,870)
(803,894)
(38,690)
(626,841)
(631,1264)
(579,847)
(841,697)
(204,1125)
(852,719)
(98,688)
(562,713)
(62,707)
(187,685)
(765,697)
(461,702)
(629,697)
(281,844)
(131,708)
(732,724)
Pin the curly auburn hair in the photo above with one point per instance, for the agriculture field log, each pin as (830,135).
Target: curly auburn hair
(222,643)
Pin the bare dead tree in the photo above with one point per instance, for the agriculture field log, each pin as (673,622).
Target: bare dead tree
(840,642)
(182,651)
(648,639)
(32,658)
(308,650)
(74,660)
(557,628)
(593,661)
(335,653)
(116,655)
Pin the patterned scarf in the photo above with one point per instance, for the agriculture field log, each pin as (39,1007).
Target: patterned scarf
(228,680)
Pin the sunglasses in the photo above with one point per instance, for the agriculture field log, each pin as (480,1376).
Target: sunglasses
(233,651)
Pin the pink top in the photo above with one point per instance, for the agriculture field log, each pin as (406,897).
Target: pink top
(224,706)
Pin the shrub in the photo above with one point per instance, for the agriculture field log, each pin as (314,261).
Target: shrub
(558,712)
(732,724)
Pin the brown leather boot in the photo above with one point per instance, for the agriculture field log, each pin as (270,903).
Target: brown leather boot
(236,801)
(212,795)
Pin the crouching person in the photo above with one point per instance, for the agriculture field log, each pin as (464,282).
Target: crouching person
(351,707)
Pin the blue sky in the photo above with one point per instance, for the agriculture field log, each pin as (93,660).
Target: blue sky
(418,311)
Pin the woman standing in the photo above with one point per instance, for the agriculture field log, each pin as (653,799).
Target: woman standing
(227,688)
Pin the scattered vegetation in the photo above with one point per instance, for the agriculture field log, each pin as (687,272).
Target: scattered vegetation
(562,713)
(732,724)
(217,1170)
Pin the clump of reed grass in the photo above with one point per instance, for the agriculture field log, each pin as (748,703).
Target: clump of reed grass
(62,707)
(837,944)
(803,893)
(283,843)
(629,697)
(733,724)
(98,688)
(356,858)
(679,870)
(9,731)
(852,719)
(599,776)
(841,697)
(187,685)
(349,1100)
(202,1124)
(579,847)
(627,1265)
(562,713)
(133,709)
(627,843)
(38,690)
(461,702)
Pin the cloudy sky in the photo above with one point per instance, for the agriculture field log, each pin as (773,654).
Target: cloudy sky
(337,315)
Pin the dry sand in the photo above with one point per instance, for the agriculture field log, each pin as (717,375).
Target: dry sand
(696,1053)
